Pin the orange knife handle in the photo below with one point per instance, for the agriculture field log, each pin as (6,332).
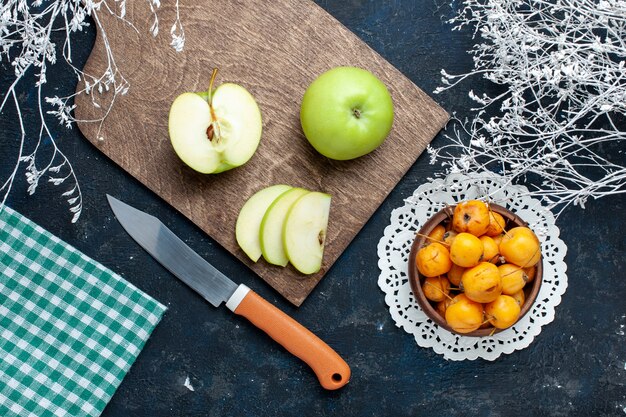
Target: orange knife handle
(331,370)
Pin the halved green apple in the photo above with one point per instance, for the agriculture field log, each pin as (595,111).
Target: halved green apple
(248,227)
(304,231)
(271,231)
(216,130)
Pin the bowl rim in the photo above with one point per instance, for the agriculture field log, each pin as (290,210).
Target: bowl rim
(415,276)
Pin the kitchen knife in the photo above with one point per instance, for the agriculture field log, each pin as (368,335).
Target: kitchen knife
(160,242)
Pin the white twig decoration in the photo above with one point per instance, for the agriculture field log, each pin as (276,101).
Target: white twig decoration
(562,71)
(26,43)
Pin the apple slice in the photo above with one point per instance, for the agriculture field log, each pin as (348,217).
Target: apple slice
(304,231)
(216,130)
(248,225)
(271,231)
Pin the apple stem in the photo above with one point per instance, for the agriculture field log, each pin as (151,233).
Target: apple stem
(357,113)
(214,129)
(213,76)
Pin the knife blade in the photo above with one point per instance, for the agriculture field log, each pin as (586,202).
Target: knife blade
(215,287)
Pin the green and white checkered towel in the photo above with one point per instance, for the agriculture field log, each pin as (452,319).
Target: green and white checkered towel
(69,327)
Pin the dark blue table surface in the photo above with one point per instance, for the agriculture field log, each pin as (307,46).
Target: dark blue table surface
(575,367)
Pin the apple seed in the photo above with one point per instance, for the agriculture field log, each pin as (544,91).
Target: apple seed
(320,237)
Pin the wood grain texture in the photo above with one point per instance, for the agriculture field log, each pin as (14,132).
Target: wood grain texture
(275,50)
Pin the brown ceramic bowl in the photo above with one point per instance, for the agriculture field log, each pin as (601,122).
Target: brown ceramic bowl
(417,280)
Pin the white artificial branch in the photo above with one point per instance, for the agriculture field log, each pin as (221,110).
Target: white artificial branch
(562,64)
(26,29)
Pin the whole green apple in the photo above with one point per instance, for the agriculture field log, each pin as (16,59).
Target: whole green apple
(346,113)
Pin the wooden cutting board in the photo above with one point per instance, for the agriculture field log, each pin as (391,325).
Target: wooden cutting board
(275,49)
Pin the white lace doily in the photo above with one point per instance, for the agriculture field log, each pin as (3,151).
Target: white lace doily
(395,245)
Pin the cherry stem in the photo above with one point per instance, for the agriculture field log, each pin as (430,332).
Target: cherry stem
(439,289)
(514,271)
(432,238)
